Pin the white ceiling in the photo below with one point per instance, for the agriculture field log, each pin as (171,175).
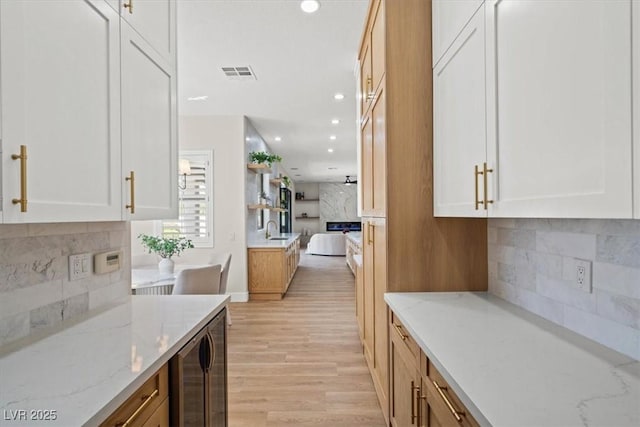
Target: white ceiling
(300,61)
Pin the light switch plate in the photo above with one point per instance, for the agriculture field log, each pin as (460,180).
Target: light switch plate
(80,266)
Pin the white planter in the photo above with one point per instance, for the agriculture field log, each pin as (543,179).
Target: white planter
(166,266)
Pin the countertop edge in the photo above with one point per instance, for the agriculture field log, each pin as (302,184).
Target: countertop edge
(273,244)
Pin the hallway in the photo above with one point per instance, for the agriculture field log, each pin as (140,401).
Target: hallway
(299,362)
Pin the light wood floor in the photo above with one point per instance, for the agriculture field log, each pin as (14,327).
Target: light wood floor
(299,362)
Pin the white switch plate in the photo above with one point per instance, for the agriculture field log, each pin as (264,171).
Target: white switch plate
(80,266)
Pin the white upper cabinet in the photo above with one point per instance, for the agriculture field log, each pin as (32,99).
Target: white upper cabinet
(60,86)
(459,123)
(636,106)
(149,132)
(155,21)
(449,17)
(559,108)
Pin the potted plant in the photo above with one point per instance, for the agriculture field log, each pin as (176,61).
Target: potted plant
(264,157)
(165,247)
(286,181)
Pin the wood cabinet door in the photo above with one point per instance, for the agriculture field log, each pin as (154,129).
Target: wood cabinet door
(368,271)
(448,19)
(366,165)
(60,79)
(559,108)
(460,124)
(360,300)
(379,155)
(378,236)
(366,80)
(155,21)
(377,48)
(404,386)
(149,132)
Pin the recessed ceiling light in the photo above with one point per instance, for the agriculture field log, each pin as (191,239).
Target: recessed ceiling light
(332,137)
(338,97)
(330,150)
(277,139)
(332,169)
(247,139)
(198,98)
(294,169)
(310,6)
(297,174)
(335,121)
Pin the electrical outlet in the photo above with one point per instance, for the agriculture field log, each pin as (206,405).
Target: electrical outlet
(583,275)
(80,266)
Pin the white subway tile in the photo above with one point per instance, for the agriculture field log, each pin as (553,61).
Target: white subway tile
(570,244)
(541,305)
(618,308)
(561,291)
(14,327)
(623,250)
(23,300)
(617,279)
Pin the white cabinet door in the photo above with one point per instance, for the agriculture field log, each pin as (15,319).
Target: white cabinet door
(448,19)
(559,108)
(149,134)
(155,21)
(60,79)
(459,123)
(636,105)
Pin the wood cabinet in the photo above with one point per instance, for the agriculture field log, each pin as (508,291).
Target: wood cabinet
(404,384)
(271,270)
(353,248)
(405,248)
(147,406)
(60,79)
(149,128)
(449,17)
(359,296)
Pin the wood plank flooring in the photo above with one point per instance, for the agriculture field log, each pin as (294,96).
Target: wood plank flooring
(299,362)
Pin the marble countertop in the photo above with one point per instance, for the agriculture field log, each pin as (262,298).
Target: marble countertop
(264,243)
(355,236)
(86,370)
(513,368)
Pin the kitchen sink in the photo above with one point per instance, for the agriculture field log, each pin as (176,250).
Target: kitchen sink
(278,238)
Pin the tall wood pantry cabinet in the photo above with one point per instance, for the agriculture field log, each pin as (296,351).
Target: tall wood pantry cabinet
(87,96)
(405,248)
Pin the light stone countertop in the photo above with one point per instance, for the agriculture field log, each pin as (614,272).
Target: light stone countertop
(513,368)
(85,371)
(354,236)
(264,243)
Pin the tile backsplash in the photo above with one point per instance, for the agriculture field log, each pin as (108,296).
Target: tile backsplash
(532,263)
(35,291)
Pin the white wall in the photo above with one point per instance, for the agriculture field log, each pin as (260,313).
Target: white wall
(225,136)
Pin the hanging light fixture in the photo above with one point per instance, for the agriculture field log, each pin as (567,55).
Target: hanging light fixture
(349,181)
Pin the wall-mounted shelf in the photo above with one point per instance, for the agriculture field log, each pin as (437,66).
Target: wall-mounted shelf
(259,168)
(276,181)
(307,200)
(307,217)
(266,207)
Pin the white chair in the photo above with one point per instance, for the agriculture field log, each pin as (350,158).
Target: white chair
(198,281)
(225,260)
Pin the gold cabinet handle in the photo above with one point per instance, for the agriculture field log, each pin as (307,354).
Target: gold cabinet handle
(398,329)
(453,410)
(414,388)
(129,6)
(419,398)
(370,233)
(486,171)
(476,173)
(132,186)
(145,403)
(370,93)
(23,178)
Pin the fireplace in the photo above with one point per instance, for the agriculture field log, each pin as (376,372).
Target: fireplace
(344,225)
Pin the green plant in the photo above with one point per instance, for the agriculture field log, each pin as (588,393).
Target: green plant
(264,157)
(166,247)
(287,181)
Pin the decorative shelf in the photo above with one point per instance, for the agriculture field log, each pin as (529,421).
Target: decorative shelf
(276,181)
(259,168)
(307,217)
(307,200)
(266,207)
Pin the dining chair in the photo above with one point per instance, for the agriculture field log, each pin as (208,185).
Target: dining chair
(198,281)
(225,260)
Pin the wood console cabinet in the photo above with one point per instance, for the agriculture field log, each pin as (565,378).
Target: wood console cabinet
(271,270)
(404,247)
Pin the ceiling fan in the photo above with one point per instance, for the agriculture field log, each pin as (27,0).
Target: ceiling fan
(349,181)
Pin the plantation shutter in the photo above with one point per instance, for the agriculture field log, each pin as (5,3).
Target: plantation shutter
(195,208)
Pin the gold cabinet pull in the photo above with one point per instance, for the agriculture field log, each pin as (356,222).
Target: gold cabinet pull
(129,6)
(486,171)
(370,232)
(419,398)
(476,173)
(398,329)
(132,186)
(453,410)
(23,178)
(145,403)
(414,388)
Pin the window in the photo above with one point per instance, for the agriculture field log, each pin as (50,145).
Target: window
(260,212)
(195,201)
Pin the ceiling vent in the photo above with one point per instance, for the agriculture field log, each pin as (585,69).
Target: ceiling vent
(239,73)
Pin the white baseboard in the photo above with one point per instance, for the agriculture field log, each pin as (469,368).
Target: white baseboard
(239,296)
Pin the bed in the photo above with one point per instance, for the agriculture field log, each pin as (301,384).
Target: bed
(327,244)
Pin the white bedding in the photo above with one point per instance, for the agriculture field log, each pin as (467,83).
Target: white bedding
(327,244)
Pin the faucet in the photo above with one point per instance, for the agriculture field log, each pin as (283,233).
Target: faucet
(267,234)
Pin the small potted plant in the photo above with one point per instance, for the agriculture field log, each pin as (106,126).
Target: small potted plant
(286,181)
(165,247)
(264,157)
